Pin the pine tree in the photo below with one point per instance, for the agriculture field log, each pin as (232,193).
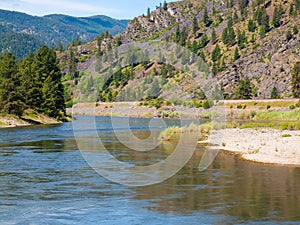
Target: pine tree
(236,54)
(241,39)
(274,93)
(231,36)
(11,101)
(244,90)
(148,12)
(203,41)
(213,36)
(296,80)
(235,17)
(251,26)
(225,38)
(216,53)
(72,67)
(265,23)
(195,25)
(295,30)
(165,5)
(276,17)
(28,86)
(51,93)
(206,19)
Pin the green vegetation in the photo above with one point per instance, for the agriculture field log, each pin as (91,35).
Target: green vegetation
(296,80)
(173,133)
(34,83)
(32,32)
(244,90)
(18,44)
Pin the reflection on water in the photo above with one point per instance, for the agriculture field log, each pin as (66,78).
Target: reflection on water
(45,180)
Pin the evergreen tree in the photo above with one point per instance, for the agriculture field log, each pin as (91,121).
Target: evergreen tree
(51,93)
(241,39)
(148,12)
(165,5)
(206,19)
(195,25)
(11,101)
(274,93)
(216,53)
(295,30)
(231,36)
(296,80)
(72,67)
(203,41)
(235,17)
(276,17)
(264,21)
(251,26)
(28,87)
(213,36)
(244,90)
(225,38)
(236,55)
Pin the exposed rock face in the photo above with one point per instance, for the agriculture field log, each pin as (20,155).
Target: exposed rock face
(267,62)
(268,66)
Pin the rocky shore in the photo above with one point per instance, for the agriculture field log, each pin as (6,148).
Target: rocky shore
(7,121)
(268,146)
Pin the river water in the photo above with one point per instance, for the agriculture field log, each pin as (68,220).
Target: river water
(44,179)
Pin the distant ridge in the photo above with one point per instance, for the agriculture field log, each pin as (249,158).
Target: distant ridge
(54,29)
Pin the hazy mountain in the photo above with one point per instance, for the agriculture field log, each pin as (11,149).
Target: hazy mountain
(19,44)
(53,29)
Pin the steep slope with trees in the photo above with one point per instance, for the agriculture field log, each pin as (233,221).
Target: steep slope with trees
(252,47)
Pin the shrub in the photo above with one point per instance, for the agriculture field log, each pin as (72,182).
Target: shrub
(206,105)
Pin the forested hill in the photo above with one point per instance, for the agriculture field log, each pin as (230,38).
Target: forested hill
(19,44)
(51,30)
(250,46)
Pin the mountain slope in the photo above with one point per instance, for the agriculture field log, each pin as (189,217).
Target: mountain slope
(54,29)
(93,25)
(19,44)
(253,43)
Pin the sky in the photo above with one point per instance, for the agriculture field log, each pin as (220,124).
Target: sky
(120,9)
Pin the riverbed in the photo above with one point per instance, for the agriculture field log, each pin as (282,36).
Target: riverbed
(44,179)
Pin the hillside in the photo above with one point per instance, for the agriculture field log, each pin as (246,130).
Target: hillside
(19,44)
(55,29)
(251,47)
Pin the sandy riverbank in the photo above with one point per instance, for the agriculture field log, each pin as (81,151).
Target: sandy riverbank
(261,145)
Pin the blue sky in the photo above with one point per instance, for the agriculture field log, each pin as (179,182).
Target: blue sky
(121,9)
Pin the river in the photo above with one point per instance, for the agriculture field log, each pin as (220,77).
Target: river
(44,179)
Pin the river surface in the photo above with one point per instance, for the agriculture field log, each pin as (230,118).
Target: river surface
(44,179)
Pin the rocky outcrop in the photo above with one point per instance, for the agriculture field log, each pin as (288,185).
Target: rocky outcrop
(268,66)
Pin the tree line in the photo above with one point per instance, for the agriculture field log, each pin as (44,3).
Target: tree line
(33,83)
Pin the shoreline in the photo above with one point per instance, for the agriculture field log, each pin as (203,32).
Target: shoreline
(11,121)
(265,146)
